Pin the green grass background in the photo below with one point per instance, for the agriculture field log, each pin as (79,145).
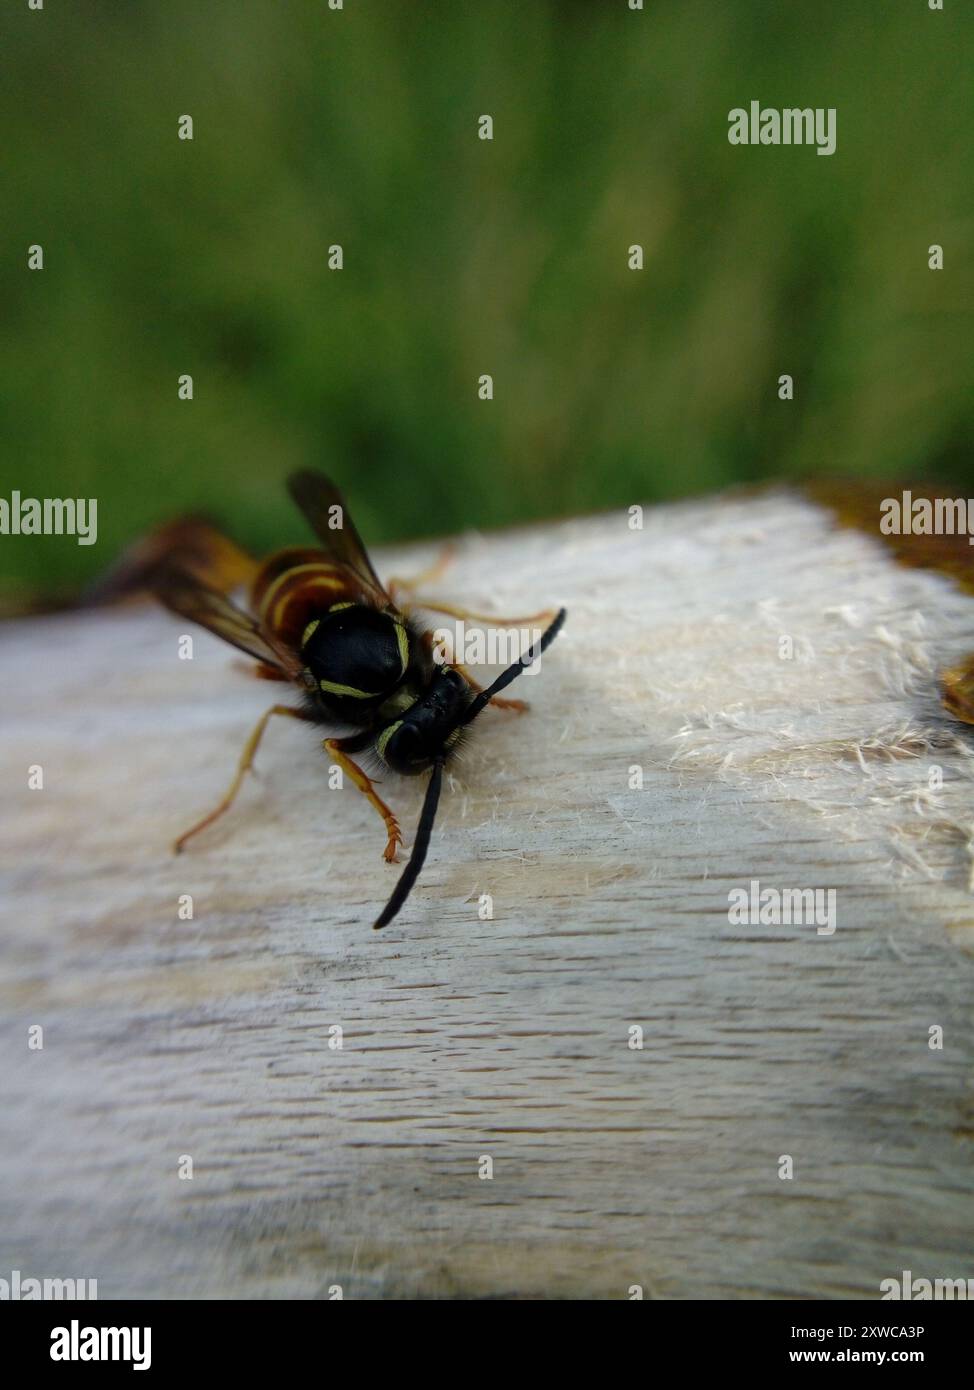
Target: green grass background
(462,257)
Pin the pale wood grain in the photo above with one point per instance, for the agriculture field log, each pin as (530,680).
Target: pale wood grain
(613,1167)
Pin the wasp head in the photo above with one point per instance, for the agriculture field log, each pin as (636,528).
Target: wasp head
(429,728)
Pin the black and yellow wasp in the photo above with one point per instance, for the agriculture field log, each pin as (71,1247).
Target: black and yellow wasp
(320,617)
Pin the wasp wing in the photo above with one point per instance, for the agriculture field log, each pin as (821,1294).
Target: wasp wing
(325,510)
(191,597)
(190,544)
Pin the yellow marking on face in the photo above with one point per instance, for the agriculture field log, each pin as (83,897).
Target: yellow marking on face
(309,631)
(398,702)
(402,637)
(384,737)
(336,606)
(333,688)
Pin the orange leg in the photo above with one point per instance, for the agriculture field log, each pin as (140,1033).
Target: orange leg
(438,567)
(542,619)
(260,671)
(243,767)
(268,673)
(334,747)
(521,706)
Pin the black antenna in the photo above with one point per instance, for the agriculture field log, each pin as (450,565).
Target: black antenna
(411,872)
(512,672)
(420,845)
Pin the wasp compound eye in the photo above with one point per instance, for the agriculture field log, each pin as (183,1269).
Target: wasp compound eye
(404,748)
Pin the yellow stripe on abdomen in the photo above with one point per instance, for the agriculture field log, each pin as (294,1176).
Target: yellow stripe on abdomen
(300,589)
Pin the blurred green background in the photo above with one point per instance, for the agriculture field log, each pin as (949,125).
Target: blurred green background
(463,256)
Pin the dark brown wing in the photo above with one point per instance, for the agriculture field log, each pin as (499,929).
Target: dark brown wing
(183,593)
(190,544)
(325,510)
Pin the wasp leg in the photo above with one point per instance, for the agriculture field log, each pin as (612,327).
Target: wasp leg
(243,767)
(335,746)
(521,706)
(261,671)
(543,618)
(427,576)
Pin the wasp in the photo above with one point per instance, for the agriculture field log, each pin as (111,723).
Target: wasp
(320,618)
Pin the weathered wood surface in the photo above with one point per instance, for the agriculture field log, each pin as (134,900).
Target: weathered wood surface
(612,1167)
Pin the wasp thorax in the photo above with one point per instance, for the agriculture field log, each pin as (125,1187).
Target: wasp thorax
(355,653)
